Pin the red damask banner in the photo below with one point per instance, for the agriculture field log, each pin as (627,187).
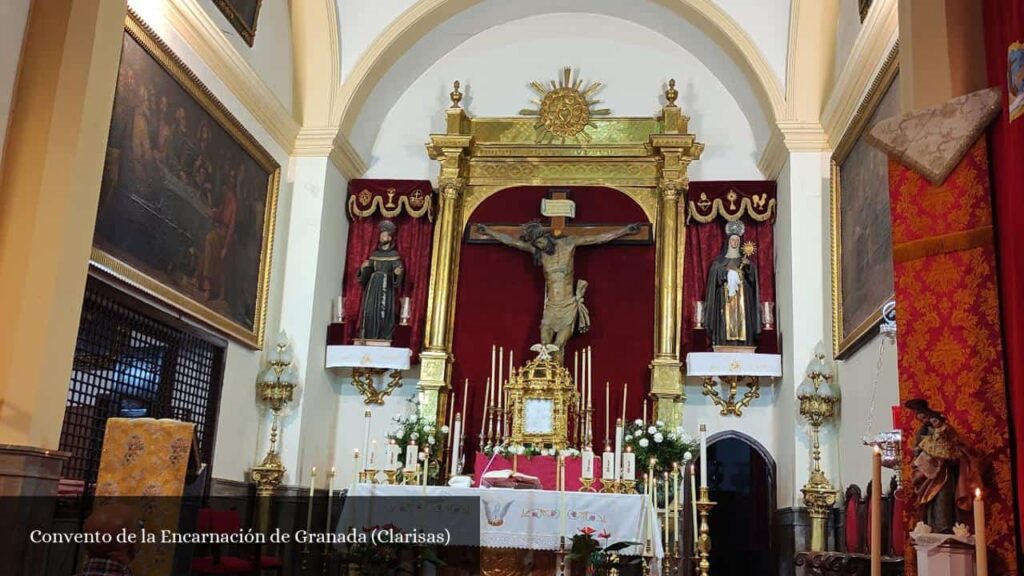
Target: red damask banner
(950,348)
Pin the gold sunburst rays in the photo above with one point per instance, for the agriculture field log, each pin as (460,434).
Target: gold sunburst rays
(566,109)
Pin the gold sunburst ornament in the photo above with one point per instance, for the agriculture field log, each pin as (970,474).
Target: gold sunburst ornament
(566,109)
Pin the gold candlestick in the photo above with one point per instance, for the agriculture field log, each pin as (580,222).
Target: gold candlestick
(704,506)
(586,485)
(409,477)
(389,476)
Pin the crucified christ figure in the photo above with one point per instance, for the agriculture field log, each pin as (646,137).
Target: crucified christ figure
(563,303)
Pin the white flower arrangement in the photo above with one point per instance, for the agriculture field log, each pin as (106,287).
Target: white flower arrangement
(410,428)
(667,445)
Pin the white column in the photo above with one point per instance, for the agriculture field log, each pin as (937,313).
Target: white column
(802,289)
(313,268)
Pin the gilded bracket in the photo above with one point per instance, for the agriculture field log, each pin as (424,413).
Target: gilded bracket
(364,381)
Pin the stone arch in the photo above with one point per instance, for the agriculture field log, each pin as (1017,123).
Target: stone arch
(419,20)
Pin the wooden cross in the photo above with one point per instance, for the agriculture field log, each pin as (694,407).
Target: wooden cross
(560,227)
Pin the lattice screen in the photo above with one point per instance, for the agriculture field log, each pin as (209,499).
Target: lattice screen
(130,364)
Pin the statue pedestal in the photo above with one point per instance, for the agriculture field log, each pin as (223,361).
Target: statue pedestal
(944,555)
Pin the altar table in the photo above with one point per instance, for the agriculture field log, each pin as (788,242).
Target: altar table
(526,519)
(542,467)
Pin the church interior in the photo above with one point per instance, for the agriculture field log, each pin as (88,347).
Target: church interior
(688,287)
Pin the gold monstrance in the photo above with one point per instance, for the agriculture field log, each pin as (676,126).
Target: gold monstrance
(539,396)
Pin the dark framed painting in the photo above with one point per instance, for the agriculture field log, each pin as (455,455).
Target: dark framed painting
(242,14)
(188,197)
(861,227)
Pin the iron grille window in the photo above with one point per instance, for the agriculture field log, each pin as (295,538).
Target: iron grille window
(132,361)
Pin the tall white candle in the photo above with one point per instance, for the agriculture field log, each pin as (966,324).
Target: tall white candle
(501,375)
(494,362)
(309,507)
(366,436)
(668,495)
(625,387)
(618,450)
(645,411)
(876,512)
(426,465)
(678,498)
(456,444)
(693,503)
(465,397)
(562,512)
(576,366)
(371,461)
(980,536)
(703,456)
(483,415)
(629,464)
(330,494)
(607,410)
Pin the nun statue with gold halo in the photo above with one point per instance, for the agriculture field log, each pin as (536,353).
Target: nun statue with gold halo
(731,302)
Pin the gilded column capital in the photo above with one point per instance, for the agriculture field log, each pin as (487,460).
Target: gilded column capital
(451,188)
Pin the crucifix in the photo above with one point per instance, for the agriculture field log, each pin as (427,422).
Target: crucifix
(554,248)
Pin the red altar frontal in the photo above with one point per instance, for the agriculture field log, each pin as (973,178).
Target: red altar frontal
(545,468)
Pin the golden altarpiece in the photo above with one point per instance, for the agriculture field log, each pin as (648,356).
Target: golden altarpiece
(562,143)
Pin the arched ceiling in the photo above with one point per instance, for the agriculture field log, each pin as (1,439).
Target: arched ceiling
(428,29)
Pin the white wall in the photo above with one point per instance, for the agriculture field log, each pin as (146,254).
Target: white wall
(271,54)
(856,377)
(767,24)
(847,30)
(13,20)
(632,61)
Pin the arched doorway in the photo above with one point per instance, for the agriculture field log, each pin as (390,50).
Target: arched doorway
(742,481)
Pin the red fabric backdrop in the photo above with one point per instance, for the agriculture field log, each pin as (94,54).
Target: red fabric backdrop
(501,293)
(704,242)
(950,349)
(1004,25)
(414,245)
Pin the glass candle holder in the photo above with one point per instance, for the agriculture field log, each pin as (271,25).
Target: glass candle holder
(338,310)
(698,315)
(768,315)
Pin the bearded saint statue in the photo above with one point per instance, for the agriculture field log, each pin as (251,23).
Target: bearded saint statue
(733,317)
(381,275)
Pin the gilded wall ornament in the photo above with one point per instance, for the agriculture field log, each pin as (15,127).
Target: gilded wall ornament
(565,110)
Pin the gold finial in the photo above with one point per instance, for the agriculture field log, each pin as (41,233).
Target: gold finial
(671,94)
(455,95)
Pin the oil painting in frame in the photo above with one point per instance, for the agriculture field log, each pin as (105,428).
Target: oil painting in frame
(861,227)
(188,197)
(242,14)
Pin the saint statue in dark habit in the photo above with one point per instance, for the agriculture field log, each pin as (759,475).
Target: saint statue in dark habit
(731,305)
(381,275)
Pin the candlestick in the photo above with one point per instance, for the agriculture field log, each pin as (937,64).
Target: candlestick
(371,461)
(405,312)
(980,536)
(703,456)
(330,494)
(645,411)
(876,512)
(561,496)
(704,506)
(357,476)
(366,435)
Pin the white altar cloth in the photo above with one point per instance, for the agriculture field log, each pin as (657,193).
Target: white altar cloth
(733,364)
(368,357)
(527,519)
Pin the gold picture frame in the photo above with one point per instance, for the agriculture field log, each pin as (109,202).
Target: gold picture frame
(541,389)
(848,334)
(222,147)
(244,24)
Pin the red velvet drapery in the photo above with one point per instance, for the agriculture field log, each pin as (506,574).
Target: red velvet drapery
(1004,25)
(407,203)
(500,295)
(704,242)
